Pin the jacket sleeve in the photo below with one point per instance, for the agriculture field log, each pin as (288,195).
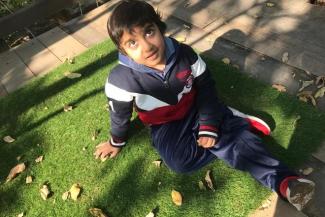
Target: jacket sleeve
(120,106)
(211,110)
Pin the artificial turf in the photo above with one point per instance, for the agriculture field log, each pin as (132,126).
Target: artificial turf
(131,185)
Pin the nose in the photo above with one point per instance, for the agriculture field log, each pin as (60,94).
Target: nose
(146,45)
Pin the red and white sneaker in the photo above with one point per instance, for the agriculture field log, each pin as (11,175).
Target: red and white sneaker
(298,191)
(255,122)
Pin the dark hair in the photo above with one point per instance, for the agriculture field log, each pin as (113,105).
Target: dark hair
(130,13)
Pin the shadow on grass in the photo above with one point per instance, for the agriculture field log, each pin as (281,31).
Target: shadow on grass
(13,107)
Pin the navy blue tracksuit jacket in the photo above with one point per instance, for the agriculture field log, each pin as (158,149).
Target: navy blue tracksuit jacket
(180,105)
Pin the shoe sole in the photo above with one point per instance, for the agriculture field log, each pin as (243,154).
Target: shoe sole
(255,122)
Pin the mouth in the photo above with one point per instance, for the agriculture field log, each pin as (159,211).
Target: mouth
(152,55)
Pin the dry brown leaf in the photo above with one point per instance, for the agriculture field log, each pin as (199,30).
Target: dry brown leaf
(66,195)
(202,186)
(96,212)
(226,60)
(279,87)
(285,57)
(67,108)
(150,214)
(320,93)
(181,39)
(157,163)
(21,214)
(39,159)
(15,171)
(305,96)
(177,198)
(75,191)
(320,81)
(8,139)
(45,192)
(72,75)
(306,84)
(70,59)
(307,171)
(29,179)
(208,180)
(270,4)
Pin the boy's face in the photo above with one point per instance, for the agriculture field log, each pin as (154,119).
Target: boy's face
(145,45)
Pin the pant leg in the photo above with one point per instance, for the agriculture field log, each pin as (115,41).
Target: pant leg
(177,146)
(245,151)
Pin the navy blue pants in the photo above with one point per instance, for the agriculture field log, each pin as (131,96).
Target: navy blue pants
(176,143)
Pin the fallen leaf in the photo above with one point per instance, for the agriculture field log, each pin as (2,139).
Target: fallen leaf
(75,191)
(320,81)
(177,198)
(226,60)
(320,93)
(96,212)
(150,214)
(236,66)
(21,214)
(305,84)
(285,57)
(45,192)
(270,4)
(266,205)
(39,159)
(66,195)
(186,26)
(181,39)
(202,186)
(70,60)
(19,157)
(305,96)
(279,87)
(157,163)
(94,135)
(307,171)
(67,108)
(15,171)
(29,179)
(72,75)
(8,139)
(208,180)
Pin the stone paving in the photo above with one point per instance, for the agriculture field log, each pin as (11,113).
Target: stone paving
(251,35)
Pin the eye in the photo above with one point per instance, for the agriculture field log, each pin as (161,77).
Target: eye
(132,44)
(150,32)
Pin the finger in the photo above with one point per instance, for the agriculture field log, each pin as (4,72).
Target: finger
(113,154)
(210,142)
(100,145)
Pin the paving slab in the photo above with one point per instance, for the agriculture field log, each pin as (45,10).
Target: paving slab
(291,26)
(320,154)
(83,32)
(13,71)
(276,207)
(316,208)
(61,44)
(37,57)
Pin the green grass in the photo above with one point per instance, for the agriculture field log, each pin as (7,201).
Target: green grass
(129,185)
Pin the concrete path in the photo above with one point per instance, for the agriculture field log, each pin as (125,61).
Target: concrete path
(251,34)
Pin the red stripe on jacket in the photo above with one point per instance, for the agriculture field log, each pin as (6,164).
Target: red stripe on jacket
(169,113)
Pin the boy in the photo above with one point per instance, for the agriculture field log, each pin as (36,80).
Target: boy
(173,92)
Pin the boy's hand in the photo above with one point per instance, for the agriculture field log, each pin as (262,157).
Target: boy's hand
(105,149)
(206,142)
